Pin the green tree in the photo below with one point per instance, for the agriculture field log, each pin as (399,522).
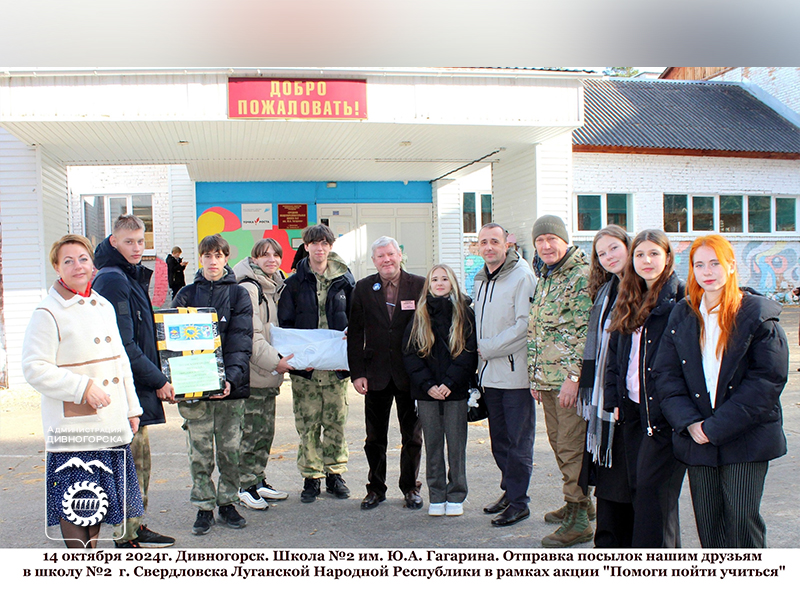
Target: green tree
(621,71)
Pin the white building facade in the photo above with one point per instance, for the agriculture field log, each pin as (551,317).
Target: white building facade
(78,147)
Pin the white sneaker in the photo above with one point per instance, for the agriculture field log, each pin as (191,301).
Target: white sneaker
(268,492)
(251,499)
(453,509)
(436,509)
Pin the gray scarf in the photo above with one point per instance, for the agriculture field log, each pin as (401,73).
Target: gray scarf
(600,424)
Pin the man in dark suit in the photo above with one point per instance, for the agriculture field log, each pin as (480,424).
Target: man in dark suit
(382,306)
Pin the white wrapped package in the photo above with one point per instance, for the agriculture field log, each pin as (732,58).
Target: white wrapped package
(324,349)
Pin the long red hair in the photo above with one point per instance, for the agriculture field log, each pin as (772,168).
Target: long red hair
(731,296)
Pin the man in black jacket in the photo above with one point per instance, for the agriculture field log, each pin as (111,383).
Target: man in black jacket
(123,281)
(383,305)
(175,269)
(317,296)
(216,423)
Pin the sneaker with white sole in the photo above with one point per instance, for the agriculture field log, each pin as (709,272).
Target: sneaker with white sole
(453,509)
(251,499)
(436,509)
(267,492)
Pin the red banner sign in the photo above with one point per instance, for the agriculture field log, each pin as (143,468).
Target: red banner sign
(297,99)
(292,216)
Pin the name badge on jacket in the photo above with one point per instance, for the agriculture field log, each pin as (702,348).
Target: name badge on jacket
(408,305)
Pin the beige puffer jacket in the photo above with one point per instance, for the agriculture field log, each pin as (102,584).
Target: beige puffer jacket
(265,314)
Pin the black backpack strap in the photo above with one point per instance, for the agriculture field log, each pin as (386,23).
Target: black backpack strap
(262,299)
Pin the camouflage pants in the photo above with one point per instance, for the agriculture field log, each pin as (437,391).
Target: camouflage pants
(320,414)
(210,425)
(258,431)
(140,448)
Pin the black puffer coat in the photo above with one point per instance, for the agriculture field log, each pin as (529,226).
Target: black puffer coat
(619,351)
(298,308)
(439,367)
(747,423)
(235,320)
(126,287)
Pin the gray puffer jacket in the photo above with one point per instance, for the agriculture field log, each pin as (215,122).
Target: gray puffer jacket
(265,314)
(502,304)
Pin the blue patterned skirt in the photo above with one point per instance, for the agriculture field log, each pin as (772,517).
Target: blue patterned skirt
(92,486)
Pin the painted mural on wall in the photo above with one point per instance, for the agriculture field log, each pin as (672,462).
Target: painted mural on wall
(772,268)
(244,212)
(221,220)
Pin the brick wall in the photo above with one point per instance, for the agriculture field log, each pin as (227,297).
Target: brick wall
(770,263)
(127,180)
(781,82)
(140,179)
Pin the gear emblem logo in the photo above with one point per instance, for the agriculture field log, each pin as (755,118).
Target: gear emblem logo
(85,503)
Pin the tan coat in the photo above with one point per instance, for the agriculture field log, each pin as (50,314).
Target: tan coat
(265,358)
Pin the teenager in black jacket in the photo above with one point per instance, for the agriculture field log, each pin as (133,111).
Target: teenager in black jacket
(440,353)
(216,423)
(723,365)
(648,292)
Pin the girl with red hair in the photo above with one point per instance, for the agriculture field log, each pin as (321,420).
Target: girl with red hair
(722,366)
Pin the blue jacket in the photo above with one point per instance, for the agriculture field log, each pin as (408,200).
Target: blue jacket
(126,287)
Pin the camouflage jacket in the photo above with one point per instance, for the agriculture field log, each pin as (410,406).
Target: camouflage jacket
(558,320)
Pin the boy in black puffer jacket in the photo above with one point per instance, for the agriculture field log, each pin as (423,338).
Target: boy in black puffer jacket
(218,420)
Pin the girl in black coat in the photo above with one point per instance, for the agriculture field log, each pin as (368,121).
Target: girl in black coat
(648,293)
(604,459)
(721,371)
(440,356)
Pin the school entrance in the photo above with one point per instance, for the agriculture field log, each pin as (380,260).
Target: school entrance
(356,226)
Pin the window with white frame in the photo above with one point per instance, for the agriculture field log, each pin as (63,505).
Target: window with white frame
(100,212)
(596,211)
(729,213)
(477,210)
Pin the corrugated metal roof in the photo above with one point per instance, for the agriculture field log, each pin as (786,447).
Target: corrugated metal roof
(681,115)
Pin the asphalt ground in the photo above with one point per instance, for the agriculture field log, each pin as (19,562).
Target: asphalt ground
(332,523)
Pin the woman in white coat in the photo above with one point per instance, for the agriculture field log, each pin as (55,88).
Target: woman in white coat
(73,355)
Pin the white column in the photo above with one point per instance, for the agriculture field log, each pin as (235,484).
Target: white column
(183,216)
(514,194)
(33,213)
(448,223)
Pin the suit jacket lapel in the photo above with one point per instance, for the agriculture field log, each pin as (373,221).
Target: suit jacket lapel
(379,298)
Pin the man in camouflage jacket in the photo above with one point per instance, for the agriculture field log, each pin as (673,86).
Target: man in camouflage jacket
(317,296)
(556,336)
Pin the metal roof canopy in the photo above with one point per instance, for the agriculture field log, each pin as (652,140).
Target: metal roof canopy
(432,137)
(280,151)
(683,115)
